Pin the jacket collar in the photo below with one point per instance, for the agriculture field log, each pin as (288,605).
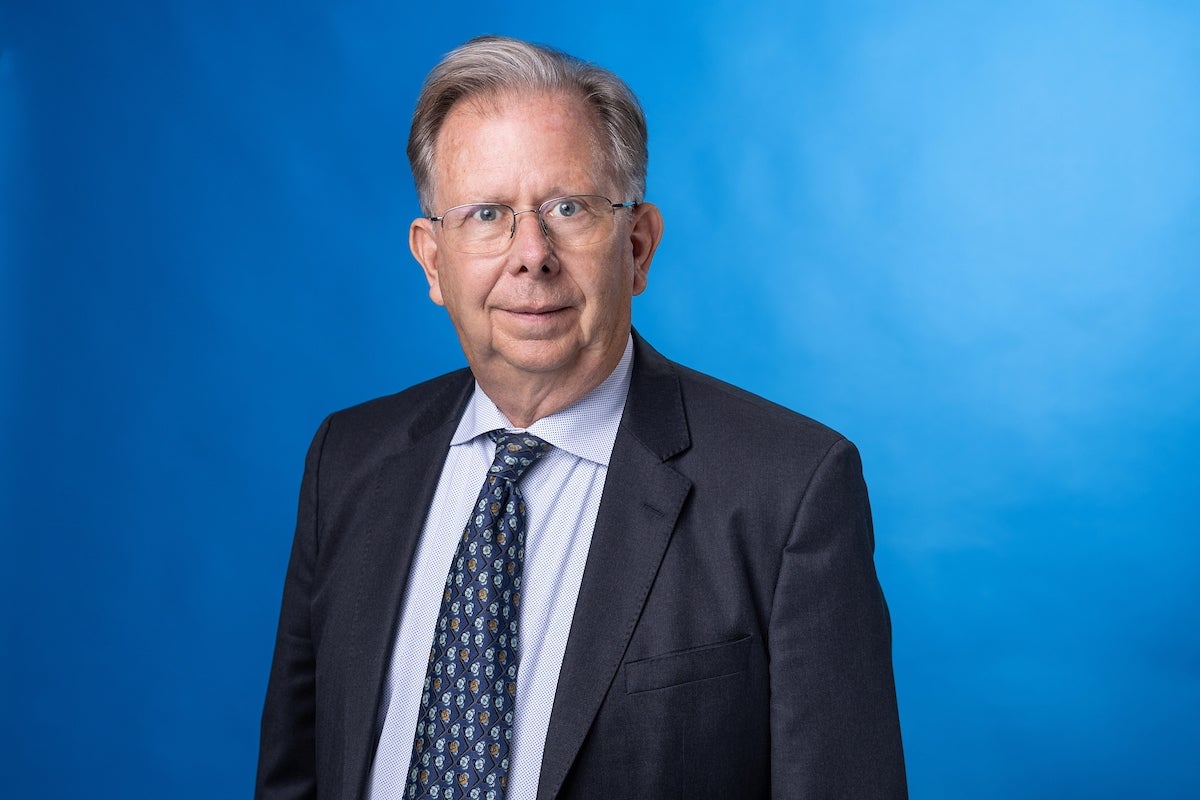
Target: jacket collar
(643,496)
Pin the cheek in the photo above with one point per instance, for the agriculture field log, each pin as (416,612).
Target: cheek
(466,287)
(621,278)
(609,294)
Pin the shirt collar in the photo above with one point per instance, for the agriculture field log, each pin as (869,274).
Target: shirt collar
(587,428)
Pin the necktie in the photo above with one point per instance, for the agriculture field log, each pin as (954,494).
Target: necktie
(465,727)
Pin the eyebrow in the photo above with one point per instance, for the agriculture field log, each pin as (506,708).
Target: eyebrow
(553,194)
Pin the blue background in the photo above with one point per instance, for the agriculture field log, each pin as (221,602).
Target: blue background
(966,235)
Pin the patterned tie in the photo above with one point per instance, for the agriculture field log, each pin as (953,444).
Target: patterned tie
(465,727)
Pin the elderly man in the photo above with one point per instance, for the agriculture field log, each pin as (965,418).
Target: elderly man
(665,586)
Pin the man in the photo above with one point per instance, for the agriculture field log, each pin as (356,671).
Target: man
(665,587)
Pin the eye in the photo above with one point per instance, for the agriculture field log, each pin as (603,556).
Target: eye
(487,214)
(566,207)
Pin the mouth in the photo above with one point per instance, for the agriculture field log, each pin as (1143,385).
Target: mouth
(537,321)
(536,312)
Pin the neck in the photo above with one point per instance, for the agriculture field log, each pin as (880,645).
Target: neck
(525,398)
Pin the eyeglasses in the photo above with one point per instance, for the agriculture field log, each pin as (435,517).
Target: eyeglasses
(487,228)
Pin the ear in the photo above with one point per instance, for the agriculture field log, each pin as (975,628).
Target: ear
(646,233)
(425,251)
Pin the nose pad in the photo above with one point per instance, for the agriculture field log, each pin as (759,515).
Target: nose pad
(541,222)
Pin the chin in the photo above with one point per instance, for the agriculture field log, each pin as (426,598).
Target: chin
(541,356)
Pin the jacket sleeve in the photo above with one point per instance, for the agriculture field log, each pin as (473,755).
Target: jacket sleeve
(287,747)
(835,730)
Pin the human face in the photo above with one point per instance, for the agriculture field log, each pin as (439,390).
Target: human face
(552,319)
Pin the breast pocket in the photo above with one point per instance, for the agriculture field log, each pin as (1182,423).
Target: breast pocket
(687,666)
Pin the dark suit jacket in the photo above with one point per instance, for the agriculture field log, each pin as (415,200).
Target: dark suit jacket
(730,639)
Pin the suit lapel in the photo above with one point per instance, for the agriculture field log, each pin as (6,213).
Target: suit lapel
(399,503)
(641,503)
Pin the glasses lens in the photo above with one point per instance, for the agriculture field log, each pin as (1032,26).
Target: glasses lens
(578,220)
(478,228)
(486,228)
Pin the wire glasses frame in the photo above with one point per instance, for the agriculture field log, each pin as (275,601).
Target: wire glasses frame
(572,221)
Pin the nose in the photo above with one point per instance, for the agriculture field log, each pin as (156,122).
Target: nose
(531,247)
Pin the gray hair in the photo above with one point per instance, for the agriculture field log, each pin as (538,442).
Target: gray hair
(494,65)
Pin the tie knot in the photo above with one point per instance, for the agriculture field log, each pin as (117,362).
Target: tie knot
(515,453)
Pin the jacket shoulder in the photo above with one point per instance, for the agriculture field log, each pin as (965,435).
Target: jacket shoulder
(675,410)
(394,421)
(708,397)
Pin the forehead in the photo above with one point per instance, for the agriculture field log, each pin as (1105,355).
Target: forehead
(521,105)
(519,141)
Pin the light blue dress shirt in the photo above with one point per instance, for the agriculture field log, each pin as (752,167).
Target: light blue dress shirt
(562,498)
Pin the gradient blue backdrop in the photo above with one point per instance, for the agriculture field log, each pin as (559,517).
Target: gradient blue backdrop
(965,234)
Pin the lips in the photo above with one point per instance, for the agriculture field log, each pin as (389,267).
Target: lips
(536,310)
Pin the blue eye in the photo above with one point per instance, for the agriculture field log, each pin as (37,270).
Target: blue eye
(566,208)
(487,214)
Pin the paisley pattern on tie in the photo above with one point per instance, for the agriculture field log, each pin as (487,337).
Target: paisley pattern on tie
(464,731)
